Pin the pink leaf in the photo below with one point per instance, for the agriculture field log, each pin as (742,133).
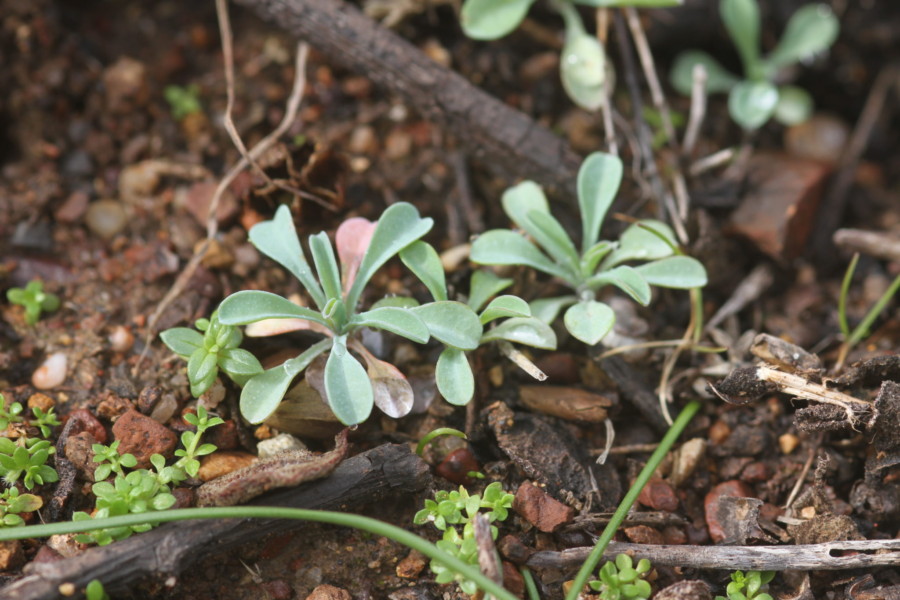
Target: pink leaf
(352,239)
(393,392)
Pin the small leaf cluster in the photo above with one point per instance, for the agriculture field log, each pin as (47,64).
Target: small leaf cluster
(217,348)
(13,504)
(451,509)
(756,98)
(14,414)
(351,389)
(622,580)
(142,490)
(34,299)
(26,458)
(598,263)
(583,64)
(749,586)
(183,101)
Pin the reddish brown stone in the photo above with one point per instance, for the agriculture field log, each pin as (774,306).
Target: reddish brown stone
(513,580)
(756,472)
(674,535)
(457,465)
(642,534)
(278,589)
(329,592)
(86,421)
(184,497)
(512,548)
(411,566)
(659,495)
(737,489)
(224,436)
(540,509)
(113,407)
(143,437)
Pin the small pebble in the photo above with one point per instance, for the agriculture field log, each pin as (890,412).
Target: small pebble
(283,442)
(106,218)
(363,140)
(412,565)
(822,137)
(222,463)
(719,432)
(457,465)
(121,339)
(164,409)
(42,401)
(788,443)
(11,554)
(51,373)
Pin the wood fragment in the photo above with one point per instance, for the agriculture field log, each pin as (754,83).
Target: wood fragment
(879,244)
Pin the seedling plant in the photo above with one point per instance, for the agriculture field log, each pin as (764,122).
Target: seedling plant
(749,586)
(363,247)
(44,421)
(183,101)
(34,299)
(759,96)
(623,580)
(26,459)
(599,263)
(13,504)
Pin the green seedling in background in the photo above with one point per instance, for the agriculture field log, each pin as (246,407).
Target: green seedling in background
(751,586)
(756,98)
(34,299)
(621,580)
(183,101)
(13,504)
(26,459)
(598,263)
(14,414)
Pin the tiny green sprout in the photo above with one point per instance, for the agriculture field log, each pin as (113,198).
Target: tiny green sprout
(450,510)
(599,263)
(95,591)
(183,101)
(34,299)
(434,433)
(351,389)
(756,98)
(622,580)
(750,586)
(217,348)
(111,461)
(13,504)
(26,459)
(14,414)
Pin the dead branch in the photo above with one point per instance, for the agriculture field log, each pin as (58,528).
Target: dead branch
(830,556)
(880,244)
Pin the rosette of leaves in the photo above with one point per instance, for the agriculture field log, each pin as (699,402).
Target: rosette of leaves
(756,98)
(751,586)
(599,263)
(582,66)
(26,459)
(13,504)
(363,247)
(451,509)
(213,350)
(44,421)
(34,299)
(622,580)
(506,318)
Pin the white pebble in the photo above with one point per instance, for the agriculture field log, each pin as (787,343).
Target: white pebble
(52,373)
(121,339)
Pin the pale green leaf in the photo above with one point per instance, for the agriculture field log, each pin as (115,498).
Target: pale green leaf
(645,240)
(239,363)
(182,340)
(347,385)
(677,272)
(625,278)
(547,309)
(594,255)
(249,306)
(483,285)
(795,105)
(528,331)
(326,264)
(453,323)
(583,70)
(598,182)
(635,3)
(422,259)
(454,378)
(401,321)
(505,306)
(751,103)
(589,321)
(492,19)
(741,18)
(527,206)
(811,30)
(504,247)
(396,302)
(718,78)
(278,240)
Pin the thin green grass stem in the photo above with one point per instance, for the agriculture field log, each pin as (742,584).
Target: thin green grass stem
(435,433)
(628,501)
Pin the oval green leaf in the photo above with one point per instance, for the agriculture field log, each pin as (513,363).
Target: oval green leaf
(505,306)
(795,105)
(751,103)
(676,272)
(492,19)
(401,321)
(182,340)
(347,385)
(547,309)
(598,182)
(422,259)
(645,240)
(589,321)
(582,68)
(326,264)
(483,286)
(454,378)
(504,247)
(528,331)
(718,78)
(812,29)
(625,278)
(239,363)
(452,323)
(249,306)
(741,18)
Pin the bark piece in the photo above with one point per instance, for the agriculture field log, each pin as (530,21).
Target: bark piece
(572,404)
(540,509)
(712,502)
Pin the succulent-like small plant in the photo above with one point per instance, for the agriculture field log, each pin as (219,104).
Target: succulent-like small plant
(363,247)
(183,101)
(750,586)
(217,348)
(13,505)
(26,459)
(598,263)
(622,580)
(756,98)
(15,413)
(34,299)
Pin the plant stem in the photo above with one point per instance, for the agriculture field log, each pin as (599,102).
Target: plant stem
(622,511)
(436,433)
(370,525)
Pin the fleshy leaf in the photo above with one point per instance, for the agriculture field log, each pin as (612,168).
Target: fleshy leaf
(718,78)
(751,103)
(392,391)
(352,239)
(812,29)
(278,240)
(593,256)
(528,331)
(239,364)
(626,279)
(422,259)
(598,182)
(484,285)
(452,323)
(399,226)
(547,309)
(795,105)
(583,70)
(248,306)
(396,302)
(677,272)
(326,265)
(527,206)
(401,321)
(492,19)
(504,247)
(505,306)
(642,241)
(454,378)
(182,340)
(741,18)
(347,385)
(589,321)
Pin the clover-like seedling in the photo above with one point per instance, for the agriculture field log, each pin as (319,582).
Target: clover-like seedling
(582,65)
(183,101)
(598,263)
(756,98)
(622,580)
(13,504)
(26,459)
(363,247)
(451,509)
(750,586)
(34,299)
(217,348)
